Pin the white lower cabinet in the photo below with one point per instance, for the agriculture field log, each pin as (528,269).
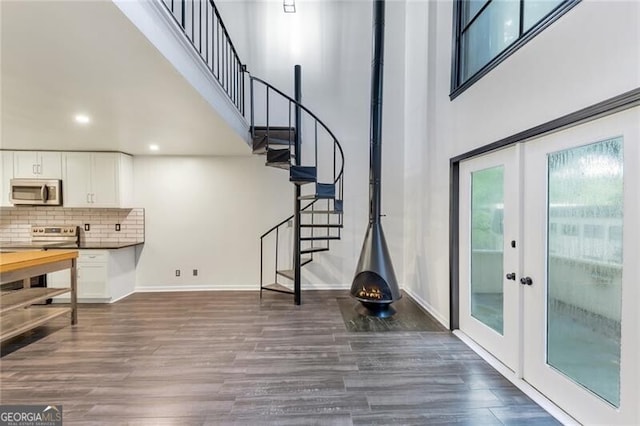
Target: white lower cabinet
(104,276)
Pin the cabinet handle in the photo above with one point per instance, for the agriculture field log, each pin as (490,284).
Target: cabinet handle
(39,168)
(33,169)
(93,198)
(88,198)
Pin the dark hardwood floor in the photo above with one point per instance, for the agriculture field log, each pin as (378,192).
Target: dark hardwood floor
(197,358)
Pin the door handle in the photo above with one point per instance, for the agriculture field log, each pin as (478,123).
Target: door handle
(526,281)
(511,276)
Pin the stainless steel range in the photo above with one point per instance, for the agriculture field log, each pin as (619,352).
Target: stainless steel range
(43,238)
(66,236)
(47,237)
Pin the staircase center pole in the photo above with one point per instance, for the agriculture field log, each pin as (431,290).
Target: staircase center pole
(296,216)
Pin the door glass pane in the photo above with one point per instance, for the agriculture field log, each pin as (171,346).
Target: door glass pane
(487,197)
(535,10)
(584,279)
(494,30)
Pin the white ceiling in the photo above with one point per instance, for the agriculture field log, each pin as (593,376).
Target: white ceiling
(61,58)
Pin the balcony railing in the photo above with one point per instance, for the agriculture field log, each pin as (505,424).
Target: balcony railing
(201,23)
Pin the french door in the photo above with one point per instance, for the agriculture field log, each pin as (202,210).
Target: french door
(570,323)
(489,190)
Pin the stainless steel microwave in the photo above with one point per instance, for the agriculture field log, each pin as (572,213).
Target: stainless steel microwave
(36,192)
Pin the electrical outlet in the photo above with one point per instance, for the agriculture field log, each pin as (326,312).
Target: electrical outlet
(117,227)
(195,272)
(177,272)
(87,227)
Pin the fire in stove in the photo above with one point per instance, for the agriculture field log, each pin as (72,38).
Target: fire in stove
(370,293)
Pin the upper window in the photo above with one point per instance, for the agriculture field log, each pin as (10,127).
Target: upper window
(488,31)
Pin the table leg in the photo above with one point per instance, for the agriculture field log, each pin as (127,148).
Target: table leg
(74,293)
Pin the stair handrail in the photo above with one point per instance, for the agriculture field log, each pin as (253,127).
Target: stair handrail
(220,56)
(302,107)
(338,177)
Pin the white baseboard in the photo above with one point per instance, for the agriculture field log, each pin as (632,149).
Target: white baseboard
(427,307)
(208,287)
(82,300)
(122,297)
(525,387)
(312,286)
(217,287)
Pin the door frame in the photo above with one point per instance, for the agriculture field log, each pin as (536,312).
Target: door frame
(602,109)
(607,107)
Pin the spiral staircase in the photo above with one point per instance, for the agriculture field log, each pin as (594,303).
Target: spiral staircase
(294,139)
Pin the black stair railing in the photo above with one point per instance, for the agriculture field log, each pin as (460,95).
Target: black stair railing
(324,213)
(337,159)
(202,25)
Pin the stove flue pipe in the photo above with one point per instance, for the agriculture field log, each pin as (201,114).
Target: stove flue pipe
(374,283)
(375,133)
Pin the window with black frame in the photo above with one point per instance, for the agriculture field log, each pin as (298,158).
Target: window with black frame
(488,31)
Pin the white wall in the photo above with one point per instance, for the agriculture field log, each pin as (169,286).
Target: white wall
(587,56)
(206,213)
(332,41)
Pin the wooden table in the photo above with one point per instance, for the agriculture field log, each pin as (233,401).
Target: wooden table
(16,313)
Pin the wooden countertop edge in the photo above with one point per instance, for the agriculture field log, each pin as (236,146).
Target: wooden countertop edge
(20,260)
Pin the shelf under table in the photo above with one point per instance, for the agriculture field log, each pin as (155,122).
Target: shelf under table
(11,300)
(18,321)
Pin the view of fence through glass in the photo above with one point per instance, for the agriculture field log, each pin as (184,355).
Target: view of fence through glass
(584,281)
(487,242)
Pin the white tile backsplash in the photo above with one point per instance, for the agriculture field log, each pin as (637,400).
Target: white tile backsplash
(15,223)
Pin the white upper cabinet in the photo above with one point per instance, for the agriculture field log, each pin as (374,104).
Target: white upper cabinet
(97,179)
(6,160)
(37,164)
(76,181)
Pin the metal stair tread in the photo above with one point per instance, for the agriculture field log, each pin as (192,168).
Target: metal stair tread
(321,212)
(318,238)
(313,250)
(315,197)
(287,273)
(284,166)
(277,287)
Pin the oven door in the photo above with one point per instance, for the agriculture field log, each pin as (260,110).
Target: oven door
(36,192)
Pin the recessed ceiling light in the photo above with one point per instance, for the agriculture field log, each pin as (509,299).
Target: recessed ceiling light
(82,119)
(154,147)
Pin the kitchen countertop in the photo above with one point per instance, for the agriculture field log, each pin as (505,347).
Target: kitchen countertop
(107,246)
(9,247)
(21,260)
